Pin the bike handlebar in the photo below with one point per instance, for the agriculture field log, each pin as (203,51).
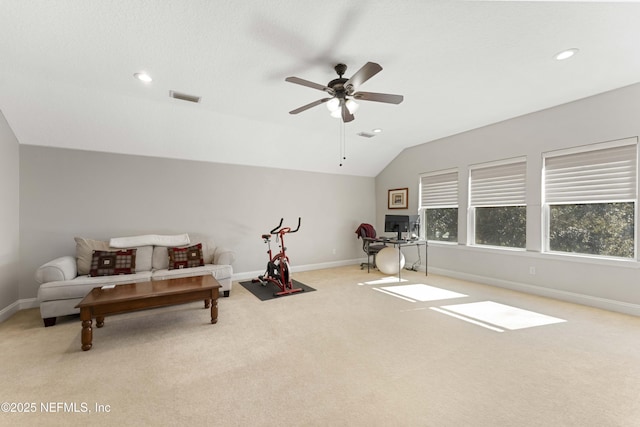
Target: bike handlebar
(277,228)
(298,228)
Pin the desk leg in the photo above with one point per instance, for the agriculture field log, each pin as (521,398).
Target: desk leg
(426,259)
(87,332)
(399,263)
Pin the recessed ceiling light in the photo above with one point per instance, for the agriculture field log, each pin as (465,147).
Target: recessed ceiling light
(377,130)
(566,54)
(143,77)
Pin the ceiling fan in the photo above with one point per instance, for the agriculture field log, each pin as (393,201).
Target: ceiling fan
(343,91)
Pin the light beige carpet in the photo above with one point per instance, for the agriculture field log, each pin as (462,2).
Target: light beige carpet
(348,354)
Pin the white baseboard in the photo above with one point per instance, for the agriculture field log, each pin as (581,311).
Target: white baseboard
(12,309)
(246,275)
(29,303)
(603,303)
(9,311)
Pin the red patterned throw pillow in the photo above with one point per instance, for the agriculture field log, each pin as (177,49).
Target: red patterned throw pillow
(185,257)
(111,263)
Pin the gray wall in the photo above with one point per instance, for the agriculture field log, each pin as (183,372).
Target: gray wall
(66,193)
(9,219)
(604,283)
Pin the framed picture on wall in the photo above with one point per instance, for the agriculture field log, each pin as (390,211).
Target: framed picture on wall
(399,198)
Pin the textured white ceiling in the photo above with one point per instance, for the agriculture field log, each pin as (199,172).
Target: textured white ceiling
(66,78)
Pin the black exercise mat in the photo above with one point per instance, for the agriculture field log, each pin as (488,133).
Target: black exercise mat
(265,293)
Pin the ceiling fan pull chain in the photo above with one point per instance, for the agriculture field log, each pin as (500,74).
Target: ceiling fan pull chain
(344,142)
(340,142)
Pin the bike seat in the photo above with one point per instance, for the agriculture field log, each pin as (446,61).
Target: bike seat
(266,236)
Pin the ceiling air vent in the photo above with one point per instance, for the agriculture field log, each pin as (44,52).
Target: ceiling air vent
(184,96)
(367,134)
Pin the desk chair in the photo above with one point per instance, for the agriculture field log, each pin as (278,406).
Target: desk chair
(370,245)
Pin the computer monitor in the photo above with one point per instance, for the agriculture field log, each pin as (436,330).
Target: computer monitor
(396,224)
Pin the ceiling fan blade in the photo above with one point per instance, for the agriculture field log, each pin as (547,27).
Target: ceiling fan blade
(378,97)
(310,105)
(367,71)
(346,114)
(307,83)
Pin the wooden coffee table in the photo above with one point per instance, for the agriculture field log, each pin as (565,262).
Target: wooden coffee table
(102,302)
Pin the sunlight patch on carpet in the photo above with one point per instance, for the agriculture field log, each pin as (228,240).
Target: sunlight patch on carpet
(501,315)
(422,292)
(466,319)
(393,295)
(383,281)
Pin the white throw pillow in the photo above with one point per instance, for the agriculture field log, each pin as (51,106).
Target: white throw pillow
(84,252)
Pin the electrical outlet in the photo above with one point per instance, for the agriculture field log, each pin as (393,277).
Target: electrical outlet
(532,271)
(334,251)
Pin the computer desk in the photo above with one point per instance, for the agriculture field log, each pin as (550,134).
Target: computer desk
(399,244)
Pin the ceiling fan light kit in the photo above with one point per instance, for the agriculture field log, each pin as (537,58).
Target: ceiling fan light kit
(333,104)
(344,92)
(352,105)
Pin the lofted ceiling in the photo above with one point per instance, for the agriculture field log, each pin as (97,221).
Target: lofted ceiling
(66,78)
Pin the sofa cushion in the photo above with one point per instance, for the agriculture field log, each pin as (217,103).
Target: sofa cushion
(110,263)
(208,246)
(143,258)
(149,240)
(160,259)
(185,257)
(217,271)
(161,255)
(81,285)
(84,252)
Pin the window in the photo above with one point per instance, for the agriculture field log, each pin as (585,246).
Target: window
(497,204)
(439,205)
(590,198)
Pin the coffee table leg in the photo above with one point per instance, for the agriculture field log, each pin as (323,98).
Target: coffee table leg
(206,303)
(214,310)
(87,332)
(100,321)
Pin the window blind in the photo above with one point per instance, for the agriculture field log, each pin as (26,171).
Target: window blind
(596,176)
(502,185)
(439,190)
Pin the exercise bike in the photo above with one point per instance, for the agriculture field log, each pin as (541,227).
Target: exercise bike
(278,266)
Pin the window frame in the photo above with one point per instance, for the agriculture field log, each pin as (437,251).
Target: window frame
(508,174)
(447,199)
(588,199)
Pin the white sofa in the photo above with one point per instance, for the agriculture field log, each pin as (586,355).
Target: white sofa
(65,281)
